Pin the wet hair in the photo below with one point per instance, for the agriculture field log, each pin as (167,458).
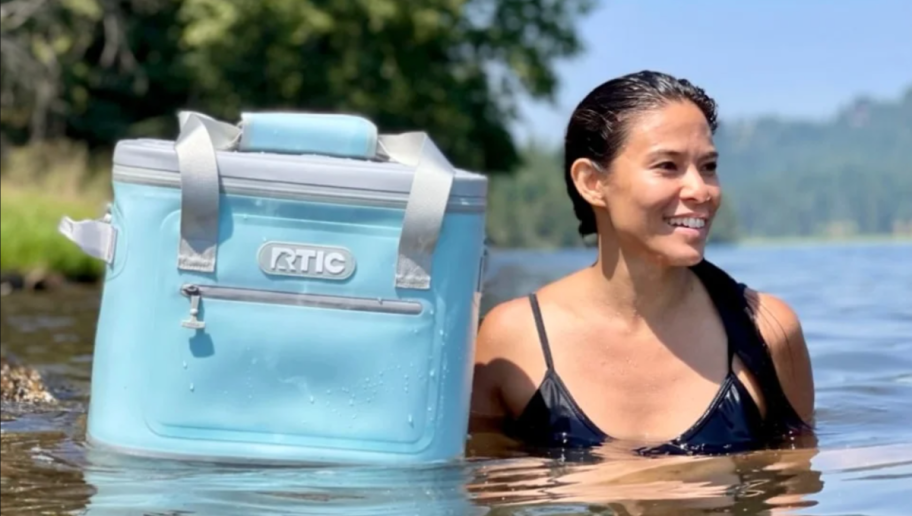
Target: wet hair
(599,125)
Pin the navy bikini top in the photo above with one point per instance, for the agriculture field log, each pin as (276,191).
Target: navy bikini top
(731,423)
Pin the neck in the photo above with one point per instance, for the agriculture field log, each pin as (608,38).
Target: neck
(637,288)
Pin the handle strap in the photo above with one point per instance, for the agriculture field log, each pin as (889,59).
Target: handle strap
(426,206)
(96,238)
(200,137)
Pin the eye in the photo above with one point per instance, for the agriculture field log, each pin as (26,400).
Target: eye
(710,168)
(667,165)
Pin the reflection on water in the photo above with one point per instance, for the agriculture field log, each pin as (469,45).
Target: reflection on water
(856,304)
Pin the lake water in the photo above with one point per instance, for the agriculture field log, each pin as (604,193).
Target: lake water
(855,302)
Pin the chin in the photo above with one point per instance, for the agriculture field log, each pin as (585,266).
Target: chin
(681,255)
(686,260)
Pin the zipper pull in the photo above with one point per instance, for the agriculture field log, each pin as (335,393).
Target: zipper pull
(193,292)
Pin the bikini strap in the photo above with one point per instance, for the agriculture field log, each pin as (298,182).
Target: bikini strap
(542,336)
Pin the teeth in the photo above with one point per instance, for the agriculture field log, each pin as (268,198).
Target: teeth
(687,222)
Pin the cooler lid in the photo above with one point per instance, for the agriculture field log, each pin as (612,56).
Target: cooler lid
(309,169)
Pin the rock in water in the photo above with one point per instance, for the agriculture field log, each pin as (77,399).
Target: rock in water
(23,384)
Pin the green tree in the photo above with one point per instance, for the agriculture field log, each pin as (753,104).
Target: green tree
(725,224)
(110,68)
(849,174)
(530,208)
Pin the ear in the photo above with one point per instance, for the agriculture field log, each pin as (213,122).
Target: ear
(590,181)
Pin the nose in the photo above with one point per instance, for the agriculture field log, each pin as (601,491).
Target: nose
(695,187)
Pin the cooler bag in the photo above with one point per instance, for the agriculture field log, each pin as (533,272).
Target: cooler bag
(291,288)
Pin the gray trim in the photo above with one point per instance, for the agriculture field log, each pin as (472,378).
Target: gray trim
(241,460)
(291,191)
(377,175)
(361,304)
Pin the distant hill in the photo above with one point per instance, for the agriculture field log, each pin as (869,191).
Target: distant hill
(850,175)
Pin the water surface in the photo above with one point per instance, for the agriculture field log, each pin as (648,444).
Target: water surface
(855,302)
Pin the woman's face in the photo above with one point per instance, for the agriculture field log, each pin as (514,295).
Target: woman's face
(662,192)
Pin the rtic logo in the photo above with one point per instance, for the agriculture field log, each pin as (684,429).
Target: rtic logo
(311,261)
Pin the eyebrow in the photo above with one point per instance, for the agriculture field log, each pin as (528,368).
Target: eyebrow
(676,154)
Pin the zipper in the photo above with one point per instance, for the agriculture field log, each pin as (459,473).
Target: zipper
(196,294)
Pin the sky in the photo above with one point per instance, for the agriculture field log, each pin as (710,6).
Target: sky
(795,59)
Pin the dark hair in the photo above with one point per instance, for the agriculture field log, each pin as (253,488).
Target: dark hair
(598,126)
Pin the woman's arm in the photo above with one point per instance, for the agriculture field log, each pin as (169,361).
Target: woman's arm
(487,407)
(501,386)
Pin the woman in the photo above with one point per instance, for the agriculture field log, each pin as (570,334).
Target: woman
(652,344)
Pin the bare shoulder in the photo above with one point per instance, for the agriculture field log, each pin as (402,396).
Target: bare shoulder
(509,360)
(502,359)
(509,330)
(781,328)
(501,328)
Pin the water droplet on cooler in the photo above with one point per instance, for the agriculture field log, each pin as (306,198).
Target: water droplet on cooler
(191,387)
(312,399)
(185,364)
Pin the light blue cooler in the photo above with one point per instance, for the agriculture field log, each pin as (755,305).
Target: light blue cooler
(294,288)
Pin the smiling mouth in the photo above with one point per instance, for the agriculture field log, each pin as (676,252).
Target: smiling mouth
(687,222)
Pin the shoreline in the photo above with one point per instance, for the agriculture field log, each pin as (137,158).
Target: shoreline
(861,239)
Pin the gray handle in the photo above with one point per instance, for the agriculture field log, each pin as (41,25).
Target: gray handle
(200,137)
(96,238)
(426,206)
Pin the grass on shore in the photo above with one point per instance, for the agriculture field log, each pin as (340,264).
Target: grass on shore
(41,184)
(30,241)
